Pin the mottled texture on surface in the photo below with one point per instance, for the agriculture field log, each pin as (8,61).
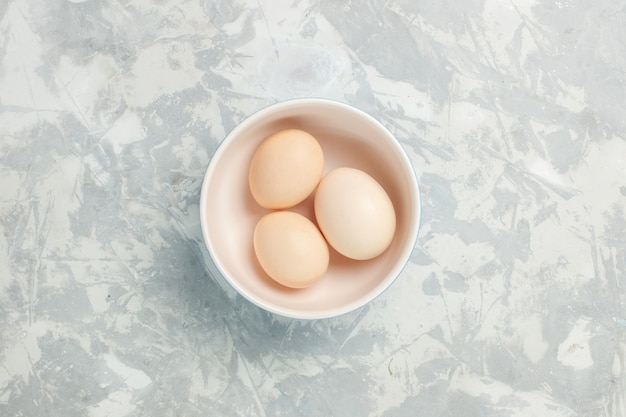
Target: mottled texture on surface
(512,112)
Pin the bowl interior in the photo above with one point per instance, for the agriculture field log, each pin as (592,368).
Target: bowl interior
(229,213)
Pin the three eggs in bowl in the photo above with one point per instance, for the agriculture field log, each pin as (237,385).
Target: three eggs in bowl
(352,142)
(353,212)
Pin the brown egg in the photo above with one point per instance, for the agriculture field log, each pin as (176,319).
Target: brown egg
(290,249)
(285,169)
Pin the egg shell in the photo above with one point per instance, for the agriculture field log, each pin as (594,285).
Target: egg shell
(290,249)
(354,213)
(285,169)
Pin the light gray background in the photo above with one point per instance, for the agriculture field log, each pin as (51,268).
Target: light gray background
(512,113)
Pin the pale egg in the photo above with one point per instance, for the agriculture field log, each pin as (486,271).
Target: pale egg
(290,249)
(285,169)
(354,213)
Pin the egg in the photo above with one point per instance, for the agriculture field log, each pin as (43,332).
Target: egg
(354,213)
(290,249)
(285,169)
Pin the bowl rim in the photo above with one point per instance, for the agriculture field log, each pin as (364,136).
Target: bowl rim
(414,224)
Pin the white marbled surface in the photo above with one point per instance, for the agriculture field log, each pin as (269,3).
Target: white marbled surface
(512,111)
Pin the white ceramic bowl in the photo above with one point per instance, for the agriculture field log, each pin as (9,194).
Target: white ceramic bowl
(228,213)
